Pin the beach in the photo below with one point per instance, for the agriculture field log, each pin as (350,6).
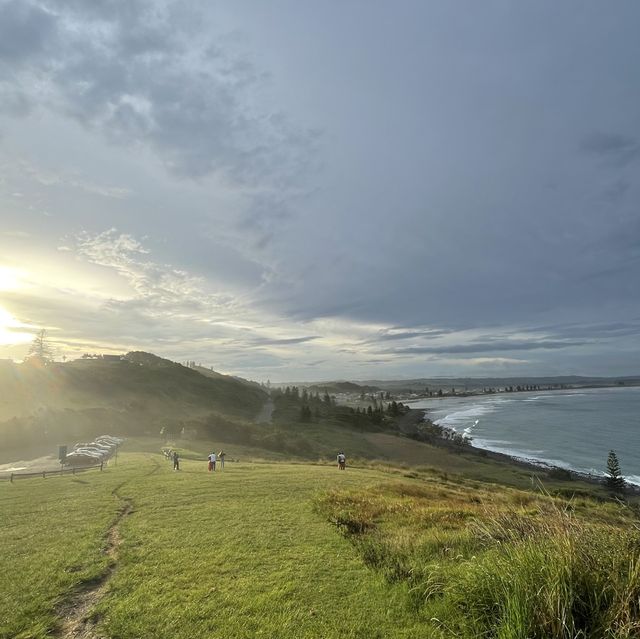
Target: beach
(570,429)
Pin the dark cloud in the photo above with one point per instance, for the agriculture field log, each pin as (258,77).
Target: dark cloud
(602,330)
(144,75)
(475,181)
(612,147)
(485,347)
(390,335)
(26,31)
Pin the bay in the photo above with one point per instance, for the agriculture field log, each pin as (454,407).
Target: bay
(574,429)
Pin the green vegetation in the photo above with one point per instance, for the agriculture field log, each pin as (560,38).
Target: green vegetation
(437,539)
(251,551)
(483,561)
(239,553)
(136,395)
(295,405)
(615,480)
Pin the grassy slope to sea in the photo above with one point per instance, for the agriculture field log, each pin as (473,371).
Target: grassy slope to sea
(304,550)
(239,553)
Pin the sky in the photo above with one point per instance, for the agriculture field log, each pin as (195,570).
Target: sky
(332,190)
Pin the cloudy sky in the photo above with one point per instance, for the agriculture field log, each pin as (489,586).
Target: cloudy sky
(314,190)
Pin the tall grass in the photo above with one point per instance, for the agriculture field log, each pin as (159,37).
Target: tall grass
(552,576)
(499,563)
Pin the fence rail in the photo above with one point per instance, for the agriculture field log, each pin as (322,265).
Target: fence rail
(45,473)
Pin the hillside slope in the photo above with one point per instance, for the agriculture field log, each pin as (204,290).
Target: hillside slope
(140,393)
(307,551)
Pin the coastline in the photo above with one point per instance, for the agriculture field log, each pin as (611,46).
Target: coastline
(417,417)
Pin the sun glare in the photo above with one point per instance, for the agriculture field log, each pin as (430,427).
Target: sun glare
(10,278)
(10,330)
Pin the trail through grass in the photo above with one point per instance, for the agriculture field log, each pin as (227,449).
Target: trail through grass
(298,550)
(239,553)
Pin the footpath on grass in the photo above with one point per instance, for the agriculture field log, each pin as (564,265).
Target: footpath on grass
(238,553)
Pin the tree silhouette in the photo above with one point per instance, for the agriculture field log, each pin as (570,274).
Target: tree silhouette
(40,349)
(615,480)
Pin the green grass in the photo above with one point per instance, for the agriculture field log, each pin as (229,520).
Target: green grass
(241,553)
(484,561)
(52,533)
(286,550)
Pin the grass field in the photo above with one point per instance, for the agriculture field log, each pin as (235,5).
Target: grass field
(241,553)
(290,550)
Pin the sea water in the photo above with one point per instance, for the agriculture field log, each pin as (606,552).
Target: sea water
(574,429)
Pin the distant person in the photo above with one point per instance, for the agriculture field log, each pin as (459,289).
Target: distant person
(342,461)
(221,456)
(176,461)
(212,461)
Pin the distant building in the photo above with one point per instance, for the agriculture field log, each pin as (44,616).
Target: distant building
(112,358)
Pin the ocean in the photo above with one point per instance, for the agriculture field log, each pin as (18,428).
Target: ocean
(574,429)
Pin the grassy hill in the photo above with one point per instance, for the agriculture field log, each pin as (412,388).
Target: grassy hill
(300,550)
(138,394)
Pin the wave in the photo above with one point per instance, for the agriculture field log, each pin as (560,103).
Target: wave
(579,430)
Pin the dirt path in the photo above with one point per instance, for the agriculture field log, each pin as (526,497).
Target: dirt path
(76,618)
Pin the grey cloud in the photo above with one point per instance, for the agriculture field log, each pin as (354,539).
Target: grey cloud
(485,347)
(285,341)
(592,331)
(613,147)
(616,191)
(142,75)
(391,335)
(26,30)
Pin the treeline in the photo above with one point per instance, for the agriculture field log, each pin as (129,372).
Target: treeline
(300,405)
(489,390)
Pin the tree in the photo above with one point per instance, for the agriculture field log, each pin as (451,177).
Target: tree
(40,349)
(615,480)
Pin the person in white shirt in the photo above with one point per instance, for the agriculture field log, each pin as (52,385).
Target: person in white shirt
(212,461)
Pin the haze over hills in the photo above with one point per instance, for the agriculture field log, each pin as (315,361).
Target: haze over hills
(136,394)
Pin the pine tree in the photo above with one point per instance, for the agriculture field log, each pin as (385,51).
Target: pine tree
(40,350)
(615,480)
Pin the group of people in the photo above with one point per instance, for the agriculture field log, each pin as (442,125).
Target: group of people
(218,459)
(214,459)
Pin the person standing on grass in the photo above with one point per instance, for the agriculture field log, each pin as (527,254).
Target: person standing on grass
(212,461)
(221,456)
(176,460)
(342,461)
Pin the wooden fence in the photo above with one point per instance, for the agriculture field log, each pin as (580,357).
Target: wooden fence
(48,473)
